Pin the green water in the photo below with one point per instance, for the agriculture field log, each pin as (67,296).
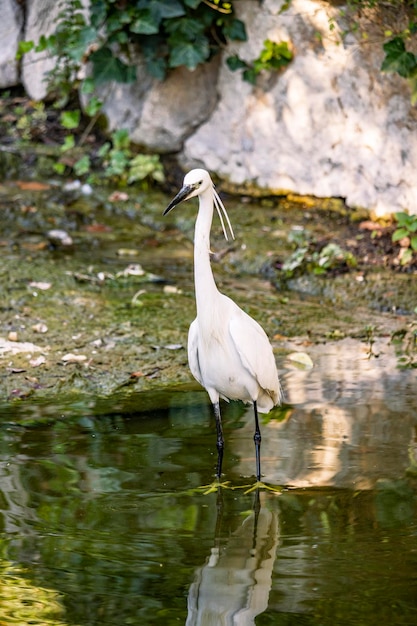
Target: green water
(102,459)
(102,521)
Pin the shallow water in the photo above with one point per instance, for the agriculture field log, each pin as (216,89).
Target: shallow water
(102,521)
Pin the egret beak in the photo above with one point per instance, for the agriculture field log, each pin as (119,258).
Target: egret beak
(180,197)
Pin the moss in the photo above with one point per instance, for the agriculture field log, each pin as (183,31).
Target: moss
(125,332)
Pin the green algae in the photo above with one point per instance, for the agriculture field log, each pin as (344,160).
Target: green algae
(99,329)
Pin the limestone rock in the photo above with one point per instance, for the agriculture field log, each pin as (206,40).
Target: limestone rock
(41,19)
(10,31)
(161,115)
(329,125)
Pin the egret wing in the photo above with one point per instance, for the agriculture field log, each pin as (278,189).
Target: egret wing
(193,361)
(255,351)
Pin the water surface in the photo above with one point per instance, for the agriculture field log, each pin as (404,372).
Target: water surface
(103,521)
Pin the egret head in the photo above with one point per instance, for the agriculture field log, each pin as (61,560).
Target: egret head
(196,183)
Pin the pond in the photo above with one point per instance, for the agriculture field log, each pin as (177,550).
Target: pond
(107,447)
(103,520)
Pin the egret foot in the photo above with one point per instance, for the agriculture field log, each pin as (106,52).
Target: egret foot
(214,486)
(258,485)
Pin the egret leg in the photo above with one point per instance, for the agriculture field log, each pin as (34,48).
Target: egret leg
(220,440)
(257,439)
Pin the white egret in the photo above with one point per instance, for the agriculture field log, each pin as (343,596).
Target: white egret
(228,352)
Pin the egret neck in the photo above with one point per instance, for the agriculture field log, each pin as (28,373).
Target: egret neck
(205,286)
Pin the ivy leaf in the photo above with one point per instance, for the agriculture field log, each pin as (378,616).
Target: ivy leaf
(70,119)
(98,13)
(273,56)
(235,30)
(397,58)
(249,75)
(156,67)
(93,106)
(107,67)
(192,3)
(156,64)
(235,63)
(121,139)
(69,143)
(189,53)
(85,37)
(82,166)
(413,242)
(161,9)
(145,24)
(23,48)
(184,29)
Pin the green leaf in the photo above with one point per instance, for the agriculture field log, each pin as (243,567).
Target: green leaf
(82,166)
(399,234)
(83,39)
(70,119)
(69,143)
(413,241)
(162,8)
(235,30)
(145,23)
(59,168)
(235,63)
(156,66)
(193,4)
(120,139)
(249,75)
(397,58)
(23,48)
(43,44)
(93,106)
(285,6)
(118,163)
(402,218)
(184,29)
(107,67)
(104,150)
(273,55)
(87,86)
(145,165)
(98,13)
(406,256)
(412,81)
(120,37)
(189,54)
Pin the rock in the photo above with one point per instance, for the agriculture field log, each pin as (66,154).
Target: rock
(161,115)
(331,124)
(10,31)
(41,19)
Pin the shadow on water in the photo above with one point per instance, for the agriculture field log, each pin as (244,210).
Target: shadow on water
(102,521)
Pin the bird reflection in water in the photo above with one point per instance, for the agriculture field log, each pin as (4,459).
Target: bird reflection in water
(233,587)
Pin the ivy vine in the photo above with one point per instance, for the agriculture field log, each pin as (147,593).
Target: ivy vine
(168,33)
